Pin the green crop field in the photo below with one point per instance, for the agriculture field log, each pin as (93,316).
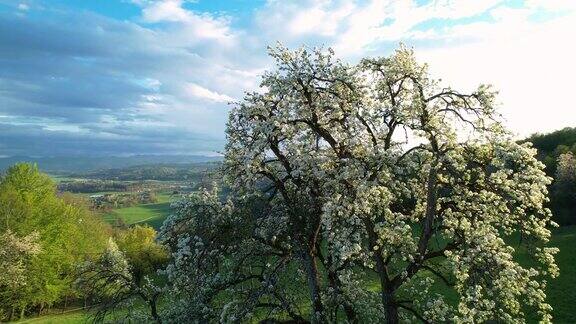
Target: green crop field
(59,178)
(152,214)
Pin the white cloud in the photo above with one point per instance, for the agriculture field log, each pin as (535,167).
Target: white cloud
(351,27)
(552,4)
(531,62)
(198,91)
(201,26)
(320,19)
(528,61)
(169,10)
(185,66)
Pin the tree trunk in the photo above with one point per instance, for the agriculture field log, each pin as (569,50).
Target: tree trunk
(154,310)
(391,308)
(318,315)
(40,309)
(22,310)
(387,288)
(348,309)
(387,291)
(350,314)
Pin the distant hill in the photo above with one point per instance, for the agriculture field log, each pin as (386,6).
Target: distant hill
(551,145)
(547,143)
(80,164)
(160,171)
(562,194)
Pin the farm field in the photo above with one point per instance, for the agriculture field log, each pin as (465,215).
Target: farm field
(61,178)
(152,214)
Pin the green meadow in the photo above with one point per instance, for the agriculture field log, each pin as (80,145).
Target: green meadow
(152,214)
(72,317)
(559,293)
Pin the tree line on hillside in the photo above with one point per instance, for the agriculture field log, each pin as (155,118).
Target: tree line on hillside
(160,172)
(45,238)
(92,186)
(109,201)
(557,150)
(551,145)
(83,164)
(53,235)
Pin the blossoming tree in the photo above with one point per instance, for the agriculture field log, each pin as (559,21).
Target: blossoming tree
(374,175)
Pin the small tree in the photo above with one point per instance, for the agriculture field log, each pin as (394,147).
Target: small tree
(15,256)
(566,171)
(126,274)
(111,284)
(370,171)
(144,254)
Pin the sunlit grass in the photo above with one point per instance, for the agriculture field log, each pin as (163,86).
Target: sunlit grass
(74,317)
(152,214)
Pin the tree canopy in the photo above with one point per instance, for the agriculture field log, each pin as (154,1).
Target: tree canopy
(346,177)
(43,238)
(122,278)
(556,151)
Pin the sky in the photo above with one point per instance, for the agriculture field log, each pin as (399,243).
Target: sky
(123,77)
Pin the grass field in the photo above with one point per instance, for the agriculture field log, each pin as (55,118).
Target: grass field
(59,178)
(152,214)
(65,318)
(561,291)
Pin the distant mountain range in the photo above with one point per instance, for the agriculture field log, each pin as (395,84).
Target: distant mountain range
(67,164)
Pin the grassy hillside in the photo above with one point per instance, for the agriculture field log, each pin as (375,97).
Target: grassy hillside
(561,293)
(64,318)
(152,214)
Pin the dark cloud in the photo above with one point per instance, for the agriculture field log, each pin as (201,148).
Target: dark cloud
(71,68)
(35,140)
(108,87)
